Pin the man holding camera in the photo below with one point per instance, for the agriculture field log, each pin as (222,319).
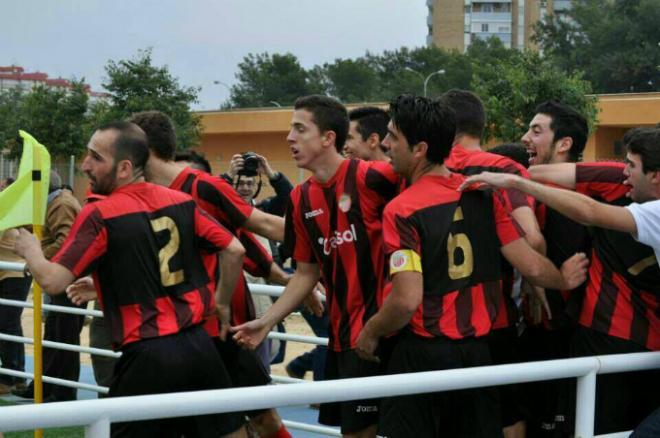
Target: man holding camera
(245,172)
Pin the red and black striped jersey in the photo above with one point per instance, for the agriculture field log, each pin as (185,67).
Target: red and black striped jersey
(473,162)
(458,238)
(144,245)
(564,237)
(216,196)
(337,224)
(622,298)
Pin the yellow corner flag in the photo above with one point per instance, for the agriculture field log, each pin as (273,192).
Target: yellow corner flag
(24,201)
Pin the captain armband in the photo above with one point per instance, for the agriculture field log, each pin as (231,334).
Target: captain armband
(404,260)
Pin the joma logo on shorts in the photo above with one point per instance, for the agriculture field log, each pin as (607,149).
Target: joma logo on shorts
(339,238)
(361,409)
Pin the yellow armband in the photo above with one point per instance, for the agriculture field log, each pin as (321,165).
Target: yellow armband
(405,260)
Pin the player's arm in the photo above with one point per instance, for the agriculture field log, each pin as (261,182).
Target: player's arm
(277,275)
(542,272)
(230,260)
(561,174)
(53,277)
(575,206)
(302,282)
(265,224)
(397,310)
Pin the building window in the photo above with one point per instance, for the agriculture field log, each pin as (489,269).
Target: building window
(487,7)
(430,30)
(484,27)
(503,29)
(468,9)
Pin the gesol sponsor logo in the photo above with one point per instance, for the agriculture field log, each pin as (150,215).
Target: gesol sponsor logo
(339,238)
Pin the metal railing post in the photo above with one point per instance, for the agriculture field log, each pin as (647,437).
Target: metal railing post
(585,405)
(98,429)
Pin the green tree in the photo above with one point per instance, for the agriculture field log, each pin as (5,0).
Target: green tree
(137,85)
(54,116)
(350,80)
(265,79)
(512,88)
(616,43)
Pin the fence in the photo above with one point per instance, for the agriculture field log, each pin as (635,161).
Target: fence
(65,168)
(97,415)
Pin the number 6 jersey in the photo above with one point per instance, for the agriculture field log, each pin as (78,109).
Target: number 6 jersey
(453,239)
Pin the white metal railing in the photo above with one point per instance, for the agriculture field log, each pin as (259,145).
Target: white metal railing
(96,415)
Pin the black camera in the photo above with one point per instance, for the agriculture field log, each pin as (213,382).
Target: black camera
(250,164)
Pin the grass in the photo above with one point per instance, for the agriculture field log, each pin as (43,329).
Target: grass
(60,432)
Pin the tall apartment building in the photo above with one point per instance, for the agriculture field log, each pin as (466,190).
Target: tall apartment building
(454,24)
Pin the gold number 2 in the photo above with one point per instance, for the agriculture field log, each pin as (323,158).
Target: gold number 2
(167,277)
(454,242)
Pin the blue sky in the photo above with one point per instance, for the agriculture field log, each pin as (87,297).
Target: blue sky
(201,41)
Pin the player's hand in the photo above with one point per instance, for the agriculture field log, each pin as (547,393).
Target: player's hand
(250,334)
(223,313)
(501,180)
(574,271)
(313,302)
(366,346)
(81,291)
(538,302)
(25,242)
(235,165)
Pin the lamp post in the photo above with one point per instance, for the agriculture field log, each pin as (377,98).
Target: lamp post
(276,103)
(425,80)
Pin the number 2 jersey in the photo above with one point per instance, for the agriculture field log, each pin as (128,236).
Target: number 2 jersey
(337,225)
(622,297)
(453,239)
(145,245)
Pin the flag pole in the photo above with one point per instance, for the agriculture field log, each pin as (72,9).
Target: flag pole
(37,178)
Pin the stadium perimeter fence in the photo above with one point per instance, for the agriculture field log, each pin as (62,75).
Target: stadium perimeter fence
(97,415)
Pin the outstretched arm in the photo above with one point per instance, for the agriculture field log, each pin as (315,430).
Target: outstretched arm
(573,205)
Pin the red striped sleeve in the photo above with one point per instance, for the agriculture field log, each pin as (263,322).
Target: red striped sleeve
(87,242)
(602,179)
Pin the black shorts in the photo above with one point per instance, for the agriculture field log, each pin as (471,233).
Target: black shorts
(465,413)
(547,401)
(505,349)
(185,361)
(351,415)
(244,367)
(623,400)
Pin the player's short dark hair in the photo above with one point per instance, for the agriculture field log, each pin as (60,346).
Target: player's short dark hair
(469,109)
(160,132)
(196,158)
(645,142)
(515,151)
(130,144)
(370,119)
(421,119)
(328,114)
(566,122)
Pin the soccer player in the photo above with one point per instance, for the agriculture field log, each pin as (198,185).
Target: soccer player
(444,260)
(367,129)
(144,245)
(334,230)
(620,311)
(468,158)
(215,196)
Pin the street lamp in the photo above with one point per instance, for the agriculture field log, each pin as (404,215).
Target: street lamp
(425,80)
(276,103)
(217,82)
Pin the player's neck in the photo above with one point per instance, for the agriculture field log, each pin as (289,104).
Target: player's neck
(427,168)
(469,143)
(164,172)
(326,167)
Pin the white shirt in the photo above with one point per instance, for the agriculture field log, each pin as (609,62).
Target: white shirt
(647,220)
